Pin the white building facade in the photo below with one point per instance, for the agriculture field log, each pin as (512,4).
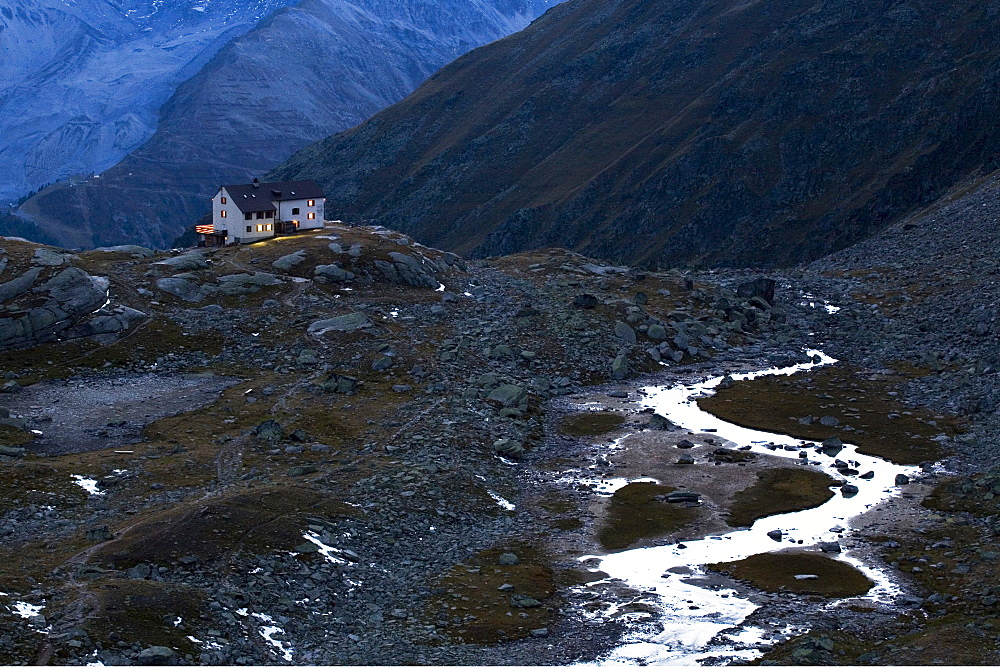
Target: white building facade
(249,212)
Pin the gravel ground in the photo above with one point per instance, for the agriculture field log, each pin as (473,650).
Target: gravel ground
(413,456)
(85,414)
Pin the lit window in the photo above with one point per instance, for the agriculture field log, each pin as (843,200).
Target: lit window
(295,211)
(312,202)
(312,216)
(223,213)
(223,200)
(269,228)
(260,228)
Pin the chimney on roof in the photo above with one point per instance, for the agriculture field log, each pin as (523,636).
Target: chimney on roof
(256,182)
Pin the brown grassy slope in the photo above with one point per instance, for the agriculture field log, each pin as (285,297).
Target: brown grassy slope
(644,130)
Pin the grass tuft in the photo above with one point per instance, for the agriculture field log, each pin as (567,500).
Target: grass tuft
(776,571)
(780,491)
(636,513)
(590,423)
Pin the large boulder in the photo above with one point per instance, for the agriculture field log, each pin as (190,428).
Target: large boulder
(416,270)
(47,257)
(269,430)
(158,655)
(69,297)
(108,325)
(509,396)
(758,287)
(245,284)
(290,261)
(656,332)
(184,288)
(191,261)
(333,273)
(406,272)
(131,249)
(18,286)
(619,367)
(624,332)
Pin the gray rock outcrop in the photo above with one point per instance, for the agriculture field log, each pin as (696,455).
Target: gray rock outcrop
(187,262)
(333,273)
(409,270)
(290,261)
(46,257)
(342,323)
(69,296)
(131,249)
(20,285)
(186,289)
(244,284)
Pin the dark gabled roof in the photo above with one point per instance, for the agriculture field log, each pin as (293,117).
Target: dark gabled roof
(251,199)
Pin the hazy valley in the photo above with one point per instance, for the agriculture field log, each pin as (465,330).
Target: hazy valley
(308,69)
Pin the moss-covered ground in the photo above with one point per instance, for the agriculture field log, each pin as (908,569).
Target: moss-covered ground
(868,409)
(592,423)
(638,511)
(776,571)
(778,491)
(483,600)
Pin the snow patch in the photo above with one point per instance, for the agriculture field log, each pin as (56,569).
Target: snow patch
(269,630)
(88,484)
(326,550)
(502,502)
(26,610)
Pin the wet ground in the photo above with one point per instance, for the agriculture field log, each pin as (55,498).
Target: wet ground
(682,612)
(98,413)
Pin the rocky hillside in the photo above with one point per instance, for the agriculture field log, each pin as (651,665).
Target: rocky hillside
(345,447)
(691,132)
(350,388)
(310,69)
(81,82)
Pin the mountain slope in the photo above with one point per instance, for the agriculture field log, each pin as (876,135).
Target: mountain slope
(696,131)
(81,82)
(308,70)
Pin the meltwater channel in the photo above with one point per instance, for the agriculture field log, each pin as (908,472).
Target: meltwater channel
(697,624)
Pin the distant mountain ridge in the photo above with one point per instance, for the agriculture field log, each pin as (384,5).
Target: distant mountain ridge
(307,70)
(690,132)
(82,81)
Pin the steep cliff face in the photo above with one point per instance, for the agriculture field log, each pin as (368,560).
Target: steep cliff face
(308,70)
(81,82)
(694,131)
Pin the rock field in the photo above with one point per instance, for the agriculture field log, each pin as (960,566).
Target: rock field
(336,448)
